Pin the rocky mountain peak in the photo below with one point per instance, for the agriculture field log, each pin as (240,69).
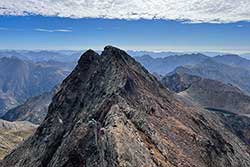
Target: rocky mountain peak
(109,54)
(112,112)
(87,58)
(111,50)
(117,56)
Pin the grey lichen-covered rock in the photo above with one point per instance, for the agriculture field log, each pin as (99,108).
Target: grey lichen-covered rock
(111,112)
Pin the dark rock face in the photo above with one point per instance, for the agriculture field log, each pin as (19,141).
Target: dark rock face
(210,94)
(111,112)
(239,125)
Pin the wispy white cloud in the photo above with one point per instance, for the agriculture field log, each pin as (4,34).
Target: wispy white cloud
(54,30)
(3,29)
(240,26)
(194,11)
(63,30)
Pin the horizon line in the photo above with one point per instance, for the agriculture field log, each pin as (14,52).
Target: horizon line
(224,51)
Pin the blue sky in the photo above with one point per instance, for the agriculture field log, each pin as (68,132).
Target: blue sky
(78,25)
(39,32)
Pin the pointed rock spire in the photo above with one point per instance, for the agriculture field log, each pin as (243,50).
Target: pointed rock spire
(87,58)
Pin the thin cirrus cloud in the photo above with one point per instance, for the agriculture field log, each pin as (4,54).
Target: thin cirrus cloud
(54,30)
(191,11)
(3,29)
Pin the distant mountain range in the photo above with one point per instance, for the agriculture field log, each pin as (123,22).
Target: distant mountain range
(246,56)
(22,79)
(235,75)
(165,65)
(36,56)
(229,68)
(210,94)
(74,55)
(154,54)
(163,54)
(233,60)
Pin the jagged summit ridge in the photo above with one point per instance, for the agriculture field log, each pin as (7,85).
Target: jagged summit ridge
(110,112)
(88,56)
(110,52)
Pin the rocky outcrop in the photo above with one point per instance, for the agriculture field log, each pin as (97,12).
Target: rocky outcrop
(179,82)
(112,112)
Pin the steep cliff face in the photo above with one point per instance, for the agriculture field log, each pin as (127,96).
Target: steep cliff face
(111,112)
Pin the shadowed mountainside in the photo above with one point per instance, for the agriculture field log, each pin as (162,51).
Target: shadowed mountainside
(239,77)
(33,110)
(209,93)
